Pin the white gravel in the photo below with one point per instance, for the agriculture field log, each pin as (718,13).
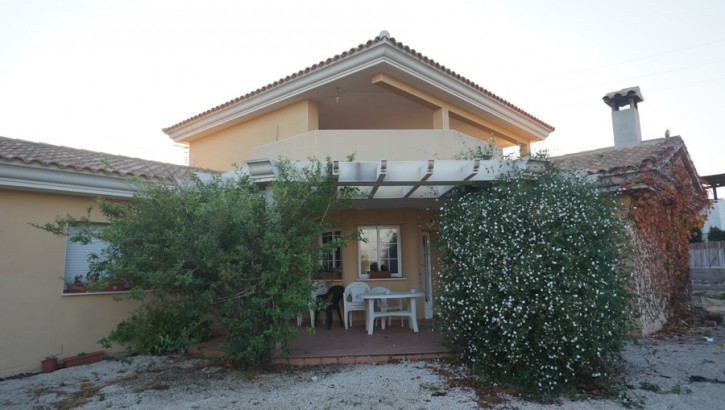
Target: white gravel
(177,382)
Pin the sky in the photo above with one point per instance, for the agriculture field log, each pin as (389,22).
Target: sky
(108,75)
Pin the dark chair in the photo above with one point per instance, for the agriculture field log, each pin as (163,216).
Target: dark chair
(335,296)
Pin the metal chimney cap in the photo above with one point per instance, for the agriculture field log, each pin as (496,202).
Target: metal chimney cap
(625,96)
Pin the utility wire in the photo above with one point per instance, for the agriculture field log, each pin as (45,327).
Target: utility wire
(664,53)
(647,75)
(686,85)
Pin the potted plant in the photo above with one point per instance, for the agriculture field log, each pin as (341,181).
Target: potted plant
(94,283)
(118,286)
(75,286)
(84,358)
(379,274)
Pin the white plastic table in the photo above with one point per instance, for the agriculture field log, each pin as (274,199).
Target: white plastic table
(372,314)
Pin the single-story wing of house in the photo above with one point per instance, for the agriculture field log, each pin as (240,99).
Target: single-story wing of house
(44,312)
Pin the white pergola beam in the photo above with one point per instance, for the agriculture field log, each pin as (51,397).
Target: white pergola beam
(444,189)
(262,169)
(381,172)
(424,173)
(471,169)
(404,179)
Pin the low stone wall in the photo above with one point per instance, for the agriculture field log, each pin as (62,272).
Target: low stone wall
(708,278)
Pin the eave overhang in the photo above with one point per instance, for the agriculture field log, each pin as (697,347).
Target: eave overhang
(381,57)
(24,177)
(18,175)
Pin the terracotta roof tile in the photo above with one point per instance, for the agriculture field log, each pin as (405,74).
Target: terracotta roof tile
(613,161)
(81,160)
(359,48)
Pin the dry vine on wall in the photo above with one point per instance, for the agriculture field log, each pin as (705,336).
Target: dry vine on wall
(662,218)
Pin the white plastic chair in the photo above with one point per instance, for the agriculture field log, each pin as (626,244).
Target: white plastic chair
(319,288)
(385,306)
(352,299)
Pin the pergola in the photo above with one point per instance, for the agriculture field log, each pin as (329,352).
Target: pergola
(410,184)
(713,182)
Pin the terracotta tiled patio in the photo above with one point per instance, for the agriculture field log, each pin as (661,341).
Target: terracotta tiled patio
(354,345)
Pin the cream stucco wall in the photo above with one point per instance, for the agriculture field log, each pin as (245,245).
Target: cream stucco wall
(37,319)
(475,132)
(233,145)
(374,145)
(412,223)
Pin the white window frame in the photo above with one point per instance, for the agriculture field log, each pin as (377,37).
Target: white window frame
(336,255)
(364,274)
(76,256)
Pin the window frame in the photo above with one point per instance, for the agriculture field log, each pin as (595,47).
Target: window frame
(399,250)
(76,260)
(336,255)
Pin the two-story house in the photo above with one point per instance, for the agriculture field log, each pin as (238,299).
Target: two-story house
(414,127)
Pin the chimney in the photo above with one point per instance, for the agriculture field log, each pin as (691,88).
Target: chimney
(627,132)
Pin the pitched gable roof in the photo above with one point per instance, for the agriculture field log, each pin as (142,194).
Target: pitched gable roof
(606,163)
(618,160)
(382,39)
(79,160)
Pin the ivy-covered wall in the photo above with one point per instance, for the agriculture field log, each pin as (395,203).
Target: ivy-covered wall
(661,218)
(663,201)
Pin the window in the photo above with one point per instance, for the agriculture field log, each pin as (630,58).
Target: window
(331,261)
(76,276)
(380,251)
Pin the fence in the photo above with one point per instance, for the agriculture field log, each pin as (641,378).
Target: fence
(707,255)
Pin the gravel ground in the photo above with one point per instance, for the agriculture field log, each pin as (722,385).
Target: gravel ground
(177,382)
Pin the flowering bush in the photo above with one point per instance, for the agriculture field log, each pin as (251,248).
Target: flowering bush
(533,293)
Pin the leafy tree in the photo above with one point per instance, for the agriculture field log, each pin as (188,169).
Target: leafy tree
(222,251)
(533,293)
(715,234)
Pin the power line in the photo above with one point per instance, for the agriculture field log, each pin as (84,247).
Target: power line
(647,75)
(637,59)
(687,84)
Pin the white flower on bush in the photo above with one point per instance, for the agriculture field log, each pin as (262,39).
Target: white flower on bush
(532,279)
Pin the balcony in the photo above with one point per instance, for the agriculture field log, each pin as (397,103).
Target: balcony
(374,145)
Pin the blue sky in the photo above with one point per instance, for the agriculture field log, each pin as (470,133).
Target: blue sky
(108,75)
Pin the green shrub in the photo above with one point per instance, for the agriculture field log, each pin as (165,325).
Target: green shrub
(219,251)
(160,327)
(533,293)
(715,234)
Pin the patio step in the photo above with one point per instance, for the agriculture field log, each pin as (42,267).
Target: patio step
(208,351)
(303,361)
(352,346)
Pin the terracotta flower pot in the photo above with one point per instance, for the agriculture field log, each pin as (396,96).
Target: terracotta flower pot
(115,287)
(379,275)
(49,365)
(76,288)
(84,359)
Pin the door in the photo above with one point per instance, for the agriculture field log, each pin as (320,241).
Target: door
(427,276)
